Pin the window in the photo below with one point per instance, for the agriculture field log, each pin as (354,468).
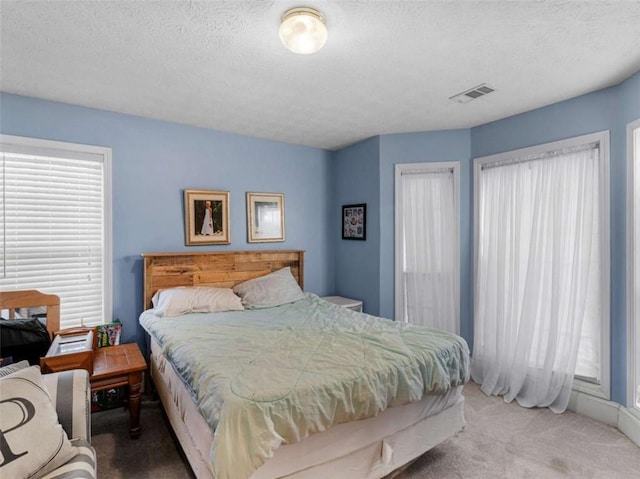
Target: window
(633,262)
(542,272)
(55,224)
(427,244)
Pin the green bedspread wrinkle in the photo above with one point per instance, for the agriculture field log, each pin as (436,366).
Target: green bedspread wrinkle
(262,378)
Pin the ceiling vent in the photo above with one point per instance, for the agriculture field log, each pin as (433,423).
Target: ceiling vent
(473,93)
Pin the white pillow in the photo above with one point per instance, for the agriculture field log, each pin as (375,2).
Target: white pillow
(34,439)
(273,289)
(194,299)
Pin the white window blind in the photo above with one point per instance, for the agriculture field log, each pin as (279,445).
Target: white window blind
(53,229)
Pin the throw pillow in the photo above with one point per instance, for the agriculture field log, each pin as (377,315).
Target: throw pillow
(194,299)
(33,442)
(273,289)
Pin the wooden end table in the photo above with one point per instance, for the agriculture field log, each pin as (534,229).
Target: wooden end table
(122,365)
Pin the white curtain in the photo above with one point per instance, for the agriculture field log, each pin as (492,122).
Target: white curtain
(429,242)
(538,275)
(635,195)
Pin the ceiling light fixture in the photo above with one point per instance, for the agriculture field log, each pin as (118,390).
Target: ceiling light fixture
(303,30)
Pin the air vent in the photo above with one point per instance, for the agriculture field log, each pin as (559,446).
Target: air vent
(472,93)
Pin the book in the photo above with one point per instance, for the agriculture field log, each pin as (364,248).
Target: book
(109,334)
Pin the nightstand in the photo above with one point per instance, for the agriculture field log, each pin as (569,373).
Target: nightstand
(121,365)
(352,304)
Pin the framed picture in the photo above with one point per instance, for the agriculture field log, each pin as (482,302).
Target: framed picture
(354,222)
(206,217)
(265,217)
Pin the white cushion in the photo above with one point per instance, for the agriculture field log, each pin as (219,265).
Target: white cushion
(273,289)
(35,442)
(197,299)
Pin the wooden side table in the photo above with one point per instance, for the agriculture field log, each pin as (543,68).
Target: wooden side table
(121,365)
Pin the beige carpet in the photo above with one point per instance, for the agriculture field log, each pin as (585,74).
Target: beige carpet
(500,441)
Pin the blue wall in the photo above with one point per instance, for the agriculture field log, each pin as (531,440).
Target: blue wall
(629,100)
(356,179)
(154,161)
(574,117)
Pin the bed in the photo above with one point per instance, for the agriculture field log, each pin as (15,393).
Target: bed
(222,387)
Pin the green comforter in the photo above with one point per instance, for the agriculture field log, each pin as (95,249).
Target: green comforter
(262,378)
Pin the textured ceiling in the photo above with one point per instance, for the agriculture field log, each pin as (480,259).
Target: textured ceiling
(387,67)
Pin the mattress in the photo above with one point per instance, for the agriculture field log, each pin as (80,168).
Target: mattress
(359,448)
(268,377)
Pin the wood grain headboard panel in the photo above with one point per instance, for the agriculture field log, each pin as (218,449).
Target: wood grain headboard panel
(221,269)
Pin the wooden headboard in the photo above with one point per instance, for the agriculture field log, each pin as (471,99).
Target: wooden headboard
(12,300)
(221,269)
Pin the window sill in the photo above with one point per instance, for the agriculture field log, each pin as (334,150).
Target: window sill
(590,388)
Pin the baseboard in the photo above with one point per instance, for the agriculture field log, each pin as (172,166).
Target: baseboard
(594,408)
(607,412)
(629,424)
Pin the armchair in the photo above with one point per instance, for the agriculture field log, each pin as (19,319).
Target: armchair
(70,394)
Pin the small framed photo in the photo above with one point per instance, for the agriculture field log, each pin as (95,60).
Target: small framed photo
(265,217)
(354,222)
(206,217)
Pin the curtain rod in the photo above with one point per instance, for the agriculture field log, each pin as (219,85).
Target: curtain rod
(542,156)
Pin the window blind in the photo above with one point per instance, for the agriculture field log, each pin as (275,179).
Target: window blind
(52,231)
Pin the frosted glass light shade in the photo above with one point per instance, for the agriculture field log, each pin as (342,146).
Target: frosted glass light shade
(303,30)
